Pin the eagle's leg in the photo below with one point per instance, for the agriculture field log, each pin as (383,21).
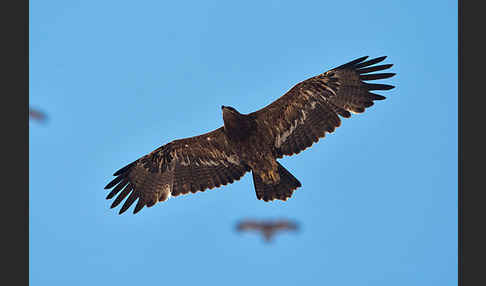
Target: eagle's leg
(274,184)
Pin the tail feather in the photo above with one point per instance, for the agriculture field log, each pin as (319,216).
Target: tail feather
(281,191)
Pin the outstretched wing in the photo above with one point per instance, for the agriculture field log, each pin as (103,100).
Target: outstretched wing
(285,225)
(179,167)
(311,108)
(248,225)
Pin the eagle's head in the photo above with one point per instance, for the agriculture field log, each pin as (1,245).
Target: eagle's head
(229,109)
(235,123)
(229,113)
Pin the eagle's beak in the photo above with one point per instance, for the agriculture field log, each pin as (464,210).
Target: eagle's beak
(222,106)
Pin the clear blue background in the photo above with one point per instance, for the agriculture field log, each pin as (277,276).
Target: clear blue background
(118,79)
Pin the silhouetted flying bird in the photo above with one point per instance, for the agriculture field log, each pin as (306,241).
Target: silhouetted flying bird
(268,228)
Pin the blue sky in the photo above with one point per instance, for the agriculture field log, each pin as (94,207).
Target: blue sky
(378,205)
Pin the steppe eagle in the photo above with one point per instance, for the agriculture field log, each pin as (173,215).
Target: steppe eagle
(252,142)
(268,228)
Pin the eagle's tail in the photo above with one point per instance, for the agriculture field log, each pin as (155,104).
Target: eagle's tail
(280,191)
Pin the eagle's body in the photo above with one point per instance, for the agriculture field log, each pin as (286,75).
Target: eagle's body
(252,142)
(245,135)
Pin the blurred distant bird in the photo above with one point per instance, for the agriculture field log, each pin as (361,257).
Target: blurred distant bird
(37,115)
(268,228)
(252,142)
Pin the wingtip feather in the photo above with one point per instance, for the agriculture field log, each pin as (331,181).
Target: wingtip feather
(113,182)
(123,170)
(128,203)
(375,76)
(377,86)
(352,63)
(370,62)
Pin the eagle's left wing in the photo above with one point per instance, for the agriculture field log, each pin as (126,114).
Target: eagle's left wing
(187,165)
(311,108)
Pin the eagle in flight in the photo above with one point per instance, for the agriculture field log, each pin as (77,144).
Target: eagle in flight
(268,228)
(252,142)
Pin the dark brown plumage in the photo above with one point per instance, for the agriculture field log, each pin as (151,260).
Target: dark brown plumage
(268,228)
(252,142)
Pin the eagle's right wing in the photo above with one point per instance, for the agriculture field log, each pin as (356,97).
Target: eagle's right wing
(285,225)
(310,109)
(179,167)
